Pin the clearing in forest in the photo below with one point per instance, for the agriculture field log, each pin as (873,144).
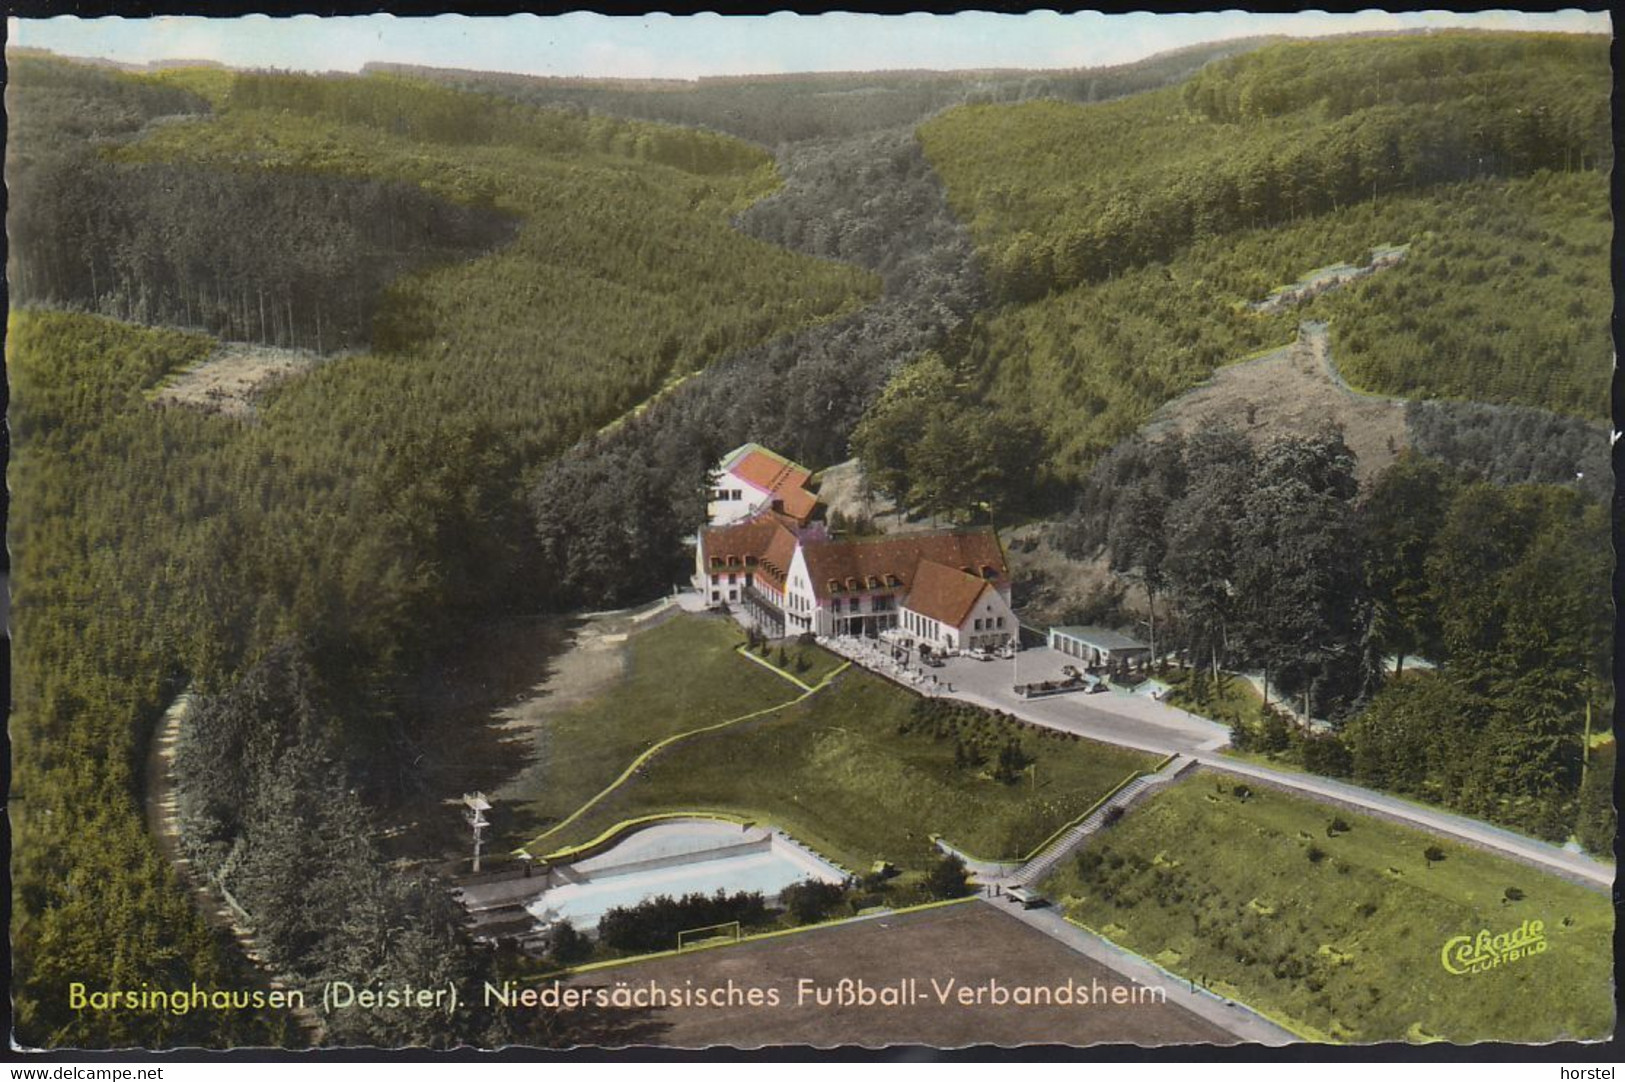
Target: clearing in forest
(233,377)
(1292,391)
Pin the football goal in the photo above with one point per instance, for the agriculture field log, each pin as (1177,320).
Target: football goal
(710,935)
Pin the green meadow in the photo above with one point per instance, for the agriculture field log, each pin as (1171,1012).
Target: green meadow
(1336,923)
(853,770)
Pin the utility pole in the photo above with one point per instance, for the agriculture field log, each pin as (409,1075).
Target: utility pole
(1015,659)
(477,806)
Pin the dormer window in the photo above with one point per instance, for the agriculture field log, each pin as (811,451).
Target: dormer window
(834,586)
(853,584)
(988,572)
(874,582)
(893,580)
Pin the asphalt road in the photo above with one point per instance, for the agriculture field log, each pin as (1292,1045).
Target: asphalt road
(1138,721)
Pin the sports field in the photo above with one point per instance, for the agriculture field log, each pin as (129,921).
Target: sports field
(972,945)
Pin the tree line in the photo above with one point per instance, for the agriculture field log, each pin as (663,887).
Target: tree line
(1271,559)
(774,111)
(270,812)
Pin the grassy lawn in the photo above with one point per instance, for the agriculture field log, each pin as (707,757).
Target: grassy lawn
(681,675)
(1230,700)
(836,772)
(809,664)
(1227,700)
(1341,936)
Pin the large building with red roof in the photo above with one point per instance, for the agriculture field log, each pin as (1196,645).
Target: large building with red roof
(949,589)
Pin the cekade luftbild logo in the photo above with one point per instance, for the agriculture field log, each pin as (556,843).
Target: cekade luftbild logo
(1481,953)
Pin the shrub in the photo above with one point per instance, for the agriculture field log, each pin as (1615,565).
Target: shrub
(566,945)
(653,925)
(947,878)
(812,900)
(1513,894)
(1316,854)
(1327,755)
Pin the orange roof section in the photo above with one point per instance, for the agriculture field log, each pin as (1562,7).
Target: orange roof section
(764,544)
(776,475)
(945,594)
(893,561)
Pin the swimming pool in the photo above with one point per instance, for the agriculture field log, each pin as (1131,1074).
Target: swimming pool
(677,857)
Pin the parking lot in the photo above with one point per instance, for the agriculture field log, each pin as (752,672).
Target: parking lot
(1118,717)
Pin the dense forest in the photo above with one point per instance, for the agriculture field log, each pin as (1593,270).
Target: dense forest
(858,189)
(557,313)
(1060,194)
(1273,561)
(871,199)
(363,514)
(1502,297)
(288,260)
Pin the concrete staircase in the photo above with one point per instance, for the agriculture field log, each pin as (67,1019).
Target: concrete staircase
(1039,866)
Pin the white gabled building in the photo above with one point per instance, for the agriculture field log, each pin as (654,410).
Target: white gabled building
(950,609)
(949,589)
(751,479)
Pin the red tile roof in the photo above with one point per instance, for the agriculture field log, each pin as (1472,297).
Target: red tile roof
(944,593)
(892,561)
(781,479)
(765,544)
(798,503)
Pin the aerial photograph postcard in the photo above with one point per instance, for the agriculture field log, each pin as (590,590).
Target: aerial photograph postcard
(822,531)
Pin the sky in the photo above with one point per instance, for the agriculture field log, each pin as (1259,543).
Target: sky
(686,47)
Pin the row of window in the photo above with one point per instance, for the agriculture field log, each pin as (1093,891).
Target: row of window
(722,494)
(990,623)
(884,603)
(919,625)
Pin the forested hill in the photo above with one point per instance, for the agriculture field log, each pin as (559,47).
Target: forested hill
(1061,195)
(776,109)
(297,567)
(286,260)
(1131,240)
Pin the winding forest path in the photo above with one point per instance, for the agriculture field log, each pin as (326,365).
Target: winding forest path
(162,807)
